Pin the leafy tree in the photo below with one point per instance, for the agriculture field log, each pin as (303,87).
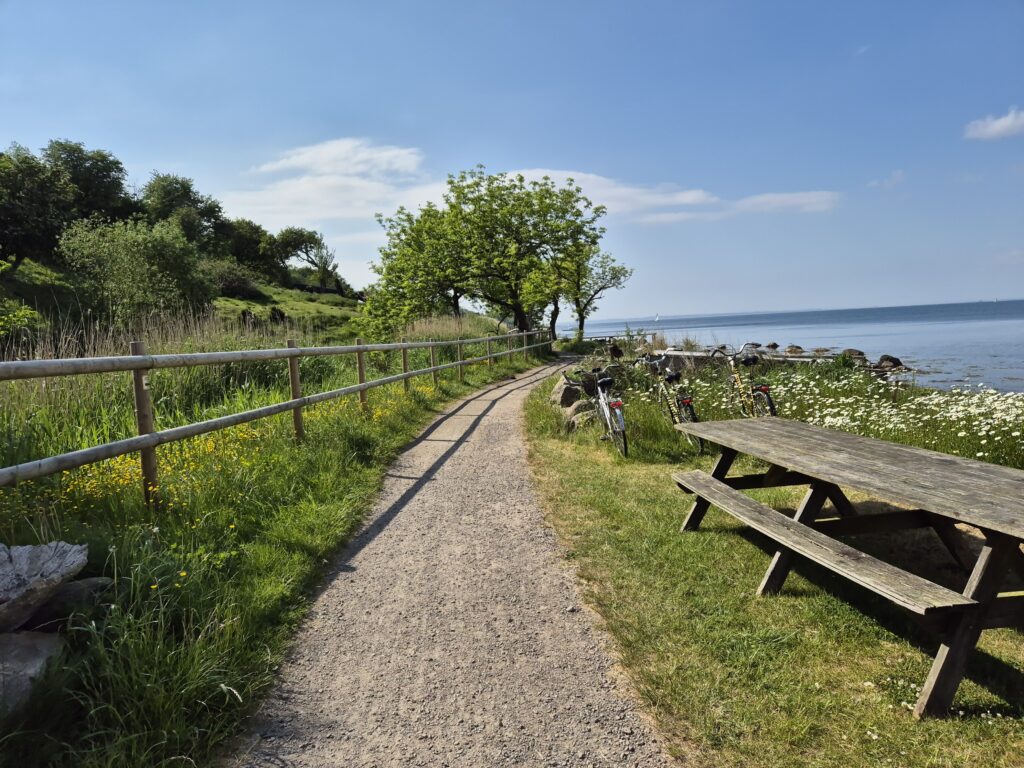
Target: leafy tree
(584,274)
(35,204)
(321,259)
(256,249)
(512,228)
(130,268)
(98,179)
(425,267)
(167,197)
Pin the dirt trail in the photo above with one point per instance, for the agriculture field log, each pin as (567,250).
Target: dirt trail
(450,632)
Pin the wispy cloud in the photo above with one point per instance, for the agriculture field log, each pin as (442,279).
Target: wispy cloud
(894,179)
(863,49)
(990,127)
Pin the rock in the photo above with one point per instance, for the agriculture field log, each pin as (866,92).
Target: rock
(581,420)
(850,352)
(80,596)
(888,362)
(772,345)
(580,406)
(565,394)
(23,658)
(794,349)
(30,575)
(820,351)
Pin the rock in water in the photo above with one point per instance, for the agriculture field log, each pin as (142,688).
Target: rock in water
(888,362)
(23,658)
(30,575)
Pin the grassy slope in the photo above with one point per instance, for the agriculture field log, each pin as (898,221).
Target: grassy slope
(326,313)
(818,676)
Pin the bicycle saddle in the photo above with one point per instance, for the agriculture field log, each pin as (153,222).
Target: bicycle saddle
(605,382)
(672,377)
(749,360)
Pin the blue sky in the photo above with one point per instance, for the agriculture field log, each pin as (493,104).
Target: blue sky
(752,155)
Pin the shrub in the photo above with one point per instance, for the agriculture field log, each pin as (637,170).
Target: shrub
(233,280)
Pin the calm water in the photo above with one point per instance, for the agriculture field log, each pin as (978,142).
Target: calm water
(950,344)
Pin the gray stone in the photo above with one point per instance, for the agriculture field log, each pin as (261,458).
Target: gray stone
(580,420)
(794,349)
(565,394)
(23,658)
(888,362)
(30,575)
(72,597)
(579,406)
(850,352)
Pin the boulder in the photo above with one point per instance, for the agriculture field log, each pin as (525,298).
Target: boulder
(580,406)
(72,597)
(850,352)
(23,658)
(30,575)
(581,419)
(772,345)
(565,394)
(794,349)
(888,362)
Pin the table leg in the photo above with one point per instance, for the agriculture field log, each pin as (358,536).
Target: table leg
(782,562)
(948,668)
(842,504)
(700,506)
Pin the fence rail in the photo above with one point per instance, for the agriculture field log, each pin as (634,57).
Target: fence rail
(140,364)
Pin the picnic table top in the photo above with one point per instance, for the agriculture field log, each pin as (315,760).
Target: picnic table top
(981,494)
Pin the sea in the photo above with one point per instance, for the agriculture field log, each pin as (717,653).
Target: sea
(948,345)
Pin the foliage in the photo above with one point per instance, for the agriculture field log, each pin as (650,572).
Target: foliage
(495,241)
(35,201)
(231,279)
(167,197)
(97,179)
(584,274)
(129,268)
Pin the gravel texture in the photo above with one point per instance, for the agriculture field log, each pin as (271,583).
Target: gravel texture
(450,632)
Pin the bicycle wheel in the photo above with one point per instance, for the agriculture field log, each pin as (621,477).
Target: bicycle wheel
(688,414)
(763,403)
(668,404)
(619,431)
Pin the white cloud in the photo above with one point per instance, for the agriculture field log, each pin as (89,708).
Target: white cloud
(863,49)
(338,186)
(1010,124)
(348,157)
(894,179)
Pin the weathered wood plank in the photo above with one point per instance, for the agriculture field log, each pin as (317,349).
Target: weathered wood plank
(907,590)
(969,491)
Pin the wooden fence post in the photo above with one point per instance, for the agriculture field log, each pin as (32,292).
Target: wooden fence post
(144,422)
(526,340)
(490,360)
(433,360)
(508,347)
(296,385)
(462,368)
(361,369)
(405,364)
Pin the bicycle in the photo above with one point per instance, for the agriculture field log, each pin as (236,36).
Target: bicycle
(673,402)
(753,398)
(599,385)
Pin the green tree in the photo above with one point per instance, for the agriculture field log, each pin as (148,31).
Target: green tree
(35,204)
(167,197)
(513,228)
(127,269)
(584,274)
(255,248)
(98,179)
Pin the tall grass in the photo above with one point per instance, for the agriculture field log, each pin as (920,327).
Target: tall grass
(210,583)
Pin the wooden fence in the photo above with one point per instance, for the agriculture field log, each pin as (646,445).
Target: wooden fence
(140,365)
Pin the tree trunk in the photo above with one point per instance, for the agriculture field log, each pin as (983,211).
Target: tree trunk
(521,318)
(554,318)
(581,319)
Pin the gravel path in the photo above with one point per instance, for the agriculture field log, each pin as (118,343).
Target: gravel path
(450,632)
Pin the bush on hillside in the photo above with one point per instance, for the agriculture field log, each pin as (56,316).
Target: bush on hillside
(233,280)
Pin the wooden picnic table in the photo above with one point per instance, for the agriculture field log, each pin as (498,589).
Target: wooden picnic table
(937,491)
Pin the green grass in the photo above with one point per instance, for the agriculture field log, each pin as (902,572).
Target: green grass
(327,314)
(210,585)
(820,675)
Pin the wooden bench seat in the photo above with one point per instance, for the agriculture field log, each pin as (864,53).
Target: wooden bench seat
(911,592)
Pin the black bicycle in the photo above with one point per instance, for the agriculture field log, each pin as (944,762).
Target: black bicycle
(673,401)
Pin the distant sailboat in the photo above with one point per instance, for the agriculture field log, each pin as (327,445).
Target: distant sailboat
(657,316)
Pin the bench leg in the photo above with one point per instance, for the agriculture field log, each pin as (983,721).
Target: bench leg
(948,668)
(842,504)
(782,562)
(700,506)
(946,531)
